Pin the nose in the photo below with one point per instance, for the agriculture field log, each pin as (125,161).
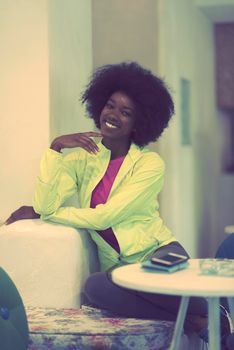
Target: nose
(114,114)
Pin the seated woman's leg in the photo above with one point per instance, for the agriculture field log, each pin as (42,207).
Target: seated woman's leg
(103,293)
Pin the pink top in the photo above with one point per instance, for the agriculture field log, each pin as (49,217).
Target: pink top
(100,195)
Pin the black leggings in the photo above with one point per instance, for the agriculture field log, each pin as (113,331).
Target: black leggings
(103,293)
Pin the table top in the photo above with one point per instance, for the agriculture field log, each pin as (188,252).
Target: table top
(229,229)
(188,282)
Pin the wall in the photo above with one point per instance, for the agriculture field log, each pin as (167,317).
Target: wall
(46,58)
(125,30)
(24,107)
(70,62)
(189,202)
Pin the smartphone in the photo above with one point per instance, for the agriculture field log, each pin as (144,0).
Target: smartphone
(170,259)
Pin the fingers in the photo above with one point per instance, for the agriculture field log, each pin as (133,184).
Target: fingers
(93,134)
(88,144)
(10,220)
(24,212)
(83,140)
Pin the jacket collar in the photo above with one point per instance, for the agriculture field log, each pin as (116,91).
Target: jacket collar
(132,156)
(133,153)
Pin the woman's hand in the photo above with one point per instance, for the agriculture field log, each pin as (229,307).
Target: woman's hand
(83,140)
(24,212)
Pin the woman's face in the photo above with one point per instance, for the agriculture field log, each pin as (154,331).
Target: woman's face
(118,117)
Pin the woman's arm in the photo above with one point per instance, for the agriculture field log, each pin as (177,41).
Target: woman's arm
(58,179)
(51,183)
(132,200)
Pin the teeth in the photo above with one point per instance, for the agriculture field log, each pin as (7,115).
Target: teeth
(111,125)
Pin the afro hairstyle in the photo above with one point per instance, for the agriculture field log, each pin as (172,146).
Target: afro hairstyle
(155,106)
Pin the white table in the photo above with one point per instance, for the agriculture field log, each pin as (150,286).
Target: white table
(187,283)
(229,229)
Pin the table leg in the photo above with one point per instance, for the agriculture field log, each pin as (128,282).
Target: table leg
(214,323)
(231,308)
(176,339)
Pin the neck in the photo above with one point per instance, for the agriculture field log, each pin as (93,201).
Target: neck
(117,149)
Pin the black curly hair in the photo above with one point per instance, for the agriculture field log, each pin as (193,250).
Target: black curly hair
(154,102)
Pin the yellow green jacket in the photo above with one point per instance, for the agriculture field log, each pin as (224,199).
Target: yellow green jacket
(132,207)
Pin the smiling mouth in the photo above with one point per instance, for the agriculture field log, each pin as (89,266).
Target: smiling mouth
(110,125)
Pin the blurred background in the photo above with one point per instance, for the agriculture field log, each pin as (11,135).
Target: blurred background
(48,51)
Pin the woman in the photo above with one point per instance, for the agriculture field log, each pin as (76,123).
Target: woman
(117,181)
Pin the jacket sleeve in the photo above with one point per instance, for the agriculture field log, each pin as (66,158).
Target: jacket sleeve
(129,199)
(56,183)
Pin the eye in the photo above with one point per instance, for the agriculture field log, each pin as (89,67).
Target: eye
(126,113)
(109,105)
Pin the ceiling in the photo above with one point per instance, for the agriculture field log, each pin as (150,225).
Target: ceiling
(217,10)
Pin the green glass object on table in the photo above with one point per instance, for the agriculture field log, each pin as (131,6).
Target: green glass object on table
(13,319)
(219,267)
